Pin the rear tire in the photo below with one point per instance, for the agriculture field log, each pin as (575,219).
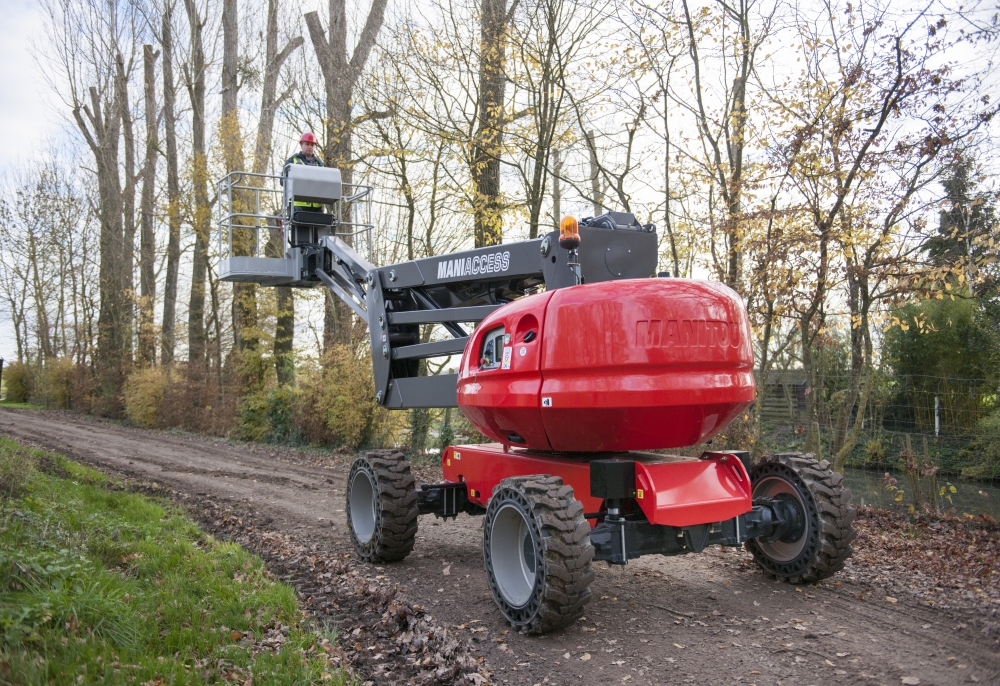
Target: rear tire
(825,543)
(381,506)
(537,553)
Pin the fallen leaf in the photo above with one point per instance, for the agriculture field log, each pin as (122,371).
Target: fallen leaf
(236,635)
(910,681)
(678,645)
(585,657)
(890,599)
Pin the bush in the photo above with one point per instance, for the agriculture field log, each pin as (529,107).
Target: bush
(279,411)
(17,379)
(337,403)
(984,450)
(144,390)
(55,384)
(198,404)
(269,416)
(874,452)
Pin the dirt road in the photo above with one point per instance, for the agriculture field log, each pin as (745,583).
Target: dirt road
(703,619)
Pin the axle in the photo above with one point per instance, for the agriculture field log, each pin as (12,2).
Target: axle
(771,519)
(617,540)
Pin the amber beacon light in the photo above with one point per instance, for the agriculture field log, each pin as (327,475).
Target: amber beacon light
(569,233)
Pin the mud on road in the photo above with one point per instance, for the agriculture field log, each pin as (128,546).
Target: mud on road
(712,618)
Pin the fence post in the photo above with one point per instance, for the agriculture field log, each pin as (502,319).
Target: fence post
(937,416)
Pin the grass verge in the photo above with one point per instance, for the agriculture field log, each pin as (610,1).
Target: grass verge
(110,586)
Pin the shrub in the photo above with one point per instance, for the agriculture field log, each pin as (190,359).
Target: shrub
(144,390)
(252,422)
(984,450)
(17,379)
(55,384)
(337,403)
(874,452)
(279,412)
(197,403)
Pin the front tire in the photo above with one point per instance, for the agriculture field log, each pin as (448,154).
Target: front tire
(537,553)
(822,546)
(381,506)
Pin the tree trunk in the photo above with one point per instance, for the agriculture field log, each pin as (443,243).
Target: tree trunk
(101,129)
(195,78)
(488,140)
(173,194)
(147,251)
(245,334)
(595,176)
(284,333)
(269,98)
(556,188)
(128,201)
(284,336)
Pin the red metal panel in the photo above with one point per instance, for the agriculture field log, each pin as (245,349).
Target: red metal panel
(620,365)
(644,363)
(504,401)
(483,466)
(686,491)
(675,491)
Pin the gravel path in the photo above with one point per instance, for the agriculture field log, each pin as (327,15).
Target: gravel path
(711,618)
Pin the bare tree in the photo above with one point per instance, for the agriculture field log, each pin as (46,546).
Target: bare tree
(725,134)
(173,190)
(340,76)
(147,252)
(89,39)
(487,142)
(270,101)
(194,74)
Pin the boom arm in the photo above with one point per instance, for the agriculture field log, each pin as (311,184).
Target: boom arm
(450,290)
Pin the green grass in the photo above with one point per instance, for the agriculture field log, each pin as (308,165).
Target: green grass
(104,586)
(21,406)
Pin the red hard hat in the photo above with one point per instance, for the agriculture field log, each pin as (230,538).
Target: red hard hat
(307,137)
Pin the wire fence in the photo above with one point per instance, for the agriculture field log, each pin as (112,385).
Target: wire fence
(949,415)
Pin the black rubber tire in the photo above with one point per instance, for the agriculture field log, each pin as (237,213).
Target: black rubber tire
(829,517)
(561,539)
(393,524)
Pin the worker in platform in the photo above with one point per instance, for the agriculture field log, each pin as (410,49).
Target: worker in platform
(306,155)
(307,152)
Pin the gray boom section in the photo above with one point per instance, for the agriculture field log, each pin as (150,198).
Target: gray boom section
(496,262)
(348,257)
(452,346)
(424,391)
(342,293)
(449,314)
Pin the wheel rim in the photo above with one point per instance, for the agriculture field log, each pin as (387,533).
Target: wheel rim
(781,551)
(513,555)
(363,506)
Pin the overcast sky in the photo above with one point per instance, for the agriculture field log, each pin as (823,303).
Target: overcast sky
(27,118)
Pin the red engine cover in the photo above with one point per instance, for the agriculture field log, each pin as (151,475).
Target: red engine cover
(619,365)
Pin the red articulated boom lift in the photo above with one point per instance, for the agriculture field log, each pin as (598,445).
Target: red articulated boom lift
(579,362)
